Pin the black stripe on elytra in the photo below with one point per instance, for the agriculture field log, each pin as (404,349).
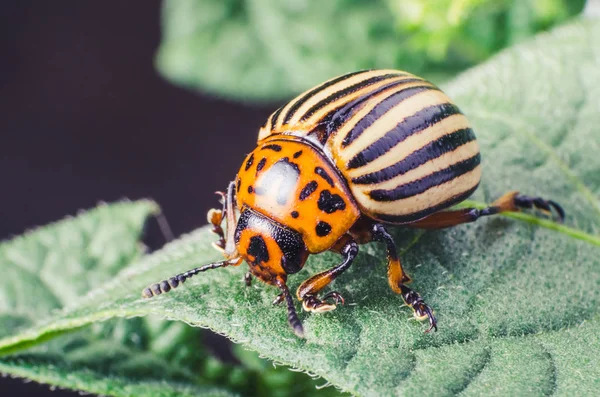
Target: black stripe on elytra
(314,91)
(323,174)
(346,91)
(432,150)
(411,125)
(308,190)
(297,154)
(340,115)
(415,216)
(273,146)
(275,117)
(260,165)
(381,108)
(323,229)
(249,162)
(421,185)
(329,203)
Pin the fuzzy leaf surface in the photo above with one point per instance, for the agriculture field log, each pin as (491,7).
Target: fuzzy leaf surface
(50,268)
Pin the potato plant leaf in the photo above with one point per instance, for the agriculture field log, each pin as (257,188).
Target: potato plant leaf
(516,296)
(50,268)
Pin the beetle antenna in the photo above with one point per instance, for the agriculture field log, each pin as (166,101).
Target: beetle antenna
(174,282)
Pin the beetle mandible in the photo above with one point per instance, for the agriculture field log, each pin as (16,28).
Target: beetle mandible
(333,168)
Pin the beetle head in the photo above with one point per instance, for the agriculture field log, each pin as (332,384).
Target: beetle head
(269,248)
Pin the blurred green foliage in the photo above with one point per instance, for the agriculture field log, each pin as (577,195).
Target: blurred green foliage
(269,50)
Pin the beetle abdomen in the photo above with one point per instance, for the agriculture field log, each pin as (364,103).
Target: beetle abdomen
(404,148)
(407,154)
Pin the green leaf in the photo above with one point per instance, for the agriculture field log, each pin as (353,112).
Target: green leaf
(516,297)
(273,49)
(56,372)
(266,49)
(50,268)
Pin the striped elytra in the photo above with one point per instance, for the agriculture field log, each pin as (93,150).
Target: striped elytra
(402,146)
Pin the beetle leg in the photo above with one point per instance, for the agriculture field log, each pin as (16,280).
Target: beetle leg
(397,279)
(293,319)
(215,217)
(509,202)
(421,310)
(174,282)
(308,290)
(248,279)
(278,299)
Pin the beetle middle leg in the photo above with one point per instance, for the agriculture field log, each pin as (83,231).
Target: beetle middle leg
(509,202)
(308,290)
(397,279)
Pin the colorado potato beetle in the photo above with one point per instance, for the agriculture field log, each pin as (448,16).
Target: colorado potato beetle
(337,164)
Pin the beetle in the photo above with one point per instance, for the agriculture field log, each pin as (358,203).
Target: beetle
(333,168)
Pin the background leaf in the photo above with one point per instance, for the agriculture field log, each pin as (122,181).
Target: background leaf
(48,268)
(52,267)
(272,49)
(517,298)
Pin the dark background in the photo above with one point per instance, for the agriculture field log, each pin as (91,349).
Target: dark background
(85,117)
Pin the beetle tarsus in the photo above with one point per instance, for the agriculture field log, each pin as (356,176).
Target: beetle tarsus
(421,310)
(248,279)
(311,303)
(548,206)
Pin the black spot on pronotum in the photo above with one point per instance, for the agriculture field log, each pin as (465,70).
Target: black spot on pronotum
(330,203)
(323,174)
(250,189)
(258,249)
(249,162)
(274,147)
(308,189)
(295,214)
(323,229)
(260,165)
(297,154)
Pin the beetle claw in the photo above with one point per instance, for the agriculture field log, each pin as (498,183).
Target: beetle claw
(311,303)
(549,207)
(336,296)
(421,310)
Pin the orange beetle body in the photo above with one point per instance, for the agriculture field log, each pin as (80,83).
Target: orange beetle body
(293,184)
(337,164)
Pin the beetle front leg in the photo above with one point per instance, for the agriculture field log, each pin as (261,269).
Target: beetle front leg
(397,279)
(308,290)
